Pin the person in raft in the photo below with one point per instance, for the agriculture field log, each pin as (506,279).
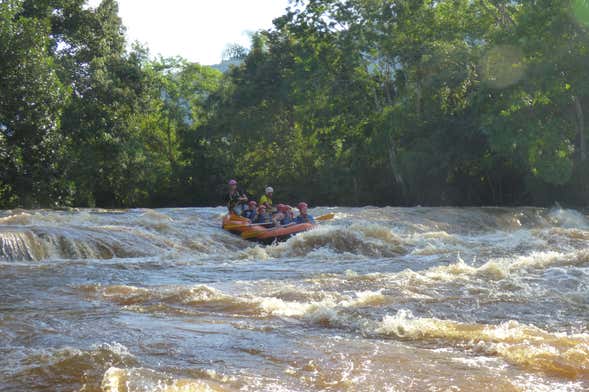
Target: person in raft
(290,215)
(263,217)
(251,212)
(304,216)
(235,198)
(284,215)
(266,199)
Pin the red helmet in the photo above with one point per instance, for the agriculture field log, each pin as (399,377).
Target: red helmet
(262,208)
(252,203)
(302,205)
(282,207)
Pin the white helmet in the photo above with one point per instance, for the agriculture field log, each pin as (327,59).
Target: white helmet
(269,189)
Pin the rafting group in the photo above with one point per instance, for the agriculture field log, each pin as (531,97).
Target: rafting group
(262,221)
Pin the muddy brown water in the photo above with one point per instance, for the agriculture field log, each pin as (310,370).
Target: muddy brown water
(379,299)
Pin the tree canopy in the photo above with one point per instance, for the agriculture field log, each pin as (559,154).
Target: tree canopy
(342,102)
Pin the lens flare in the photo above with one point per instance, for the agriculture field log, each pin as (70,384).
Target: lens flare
(580,10)
(503,66)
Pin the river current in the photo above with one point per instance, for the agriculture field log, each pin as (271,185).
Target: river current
(378,299)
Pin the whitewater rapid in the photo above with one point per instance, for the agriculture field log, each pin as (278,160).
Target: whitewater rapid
(378,299)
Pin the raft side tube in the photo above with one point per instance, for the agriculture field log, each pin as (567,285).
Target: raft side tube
(267,235)
(278,234)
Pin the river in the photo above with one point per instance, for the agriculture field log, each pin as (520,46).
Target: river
(378,299)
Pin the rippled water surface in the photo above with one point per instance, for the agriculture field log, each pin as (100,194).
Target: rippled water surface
(393,299)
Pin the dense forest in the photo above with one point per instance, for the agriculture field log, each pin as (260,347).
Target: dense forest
(349,102)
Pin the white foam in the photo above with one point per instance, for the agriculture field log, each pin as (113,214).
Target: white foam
(143,380)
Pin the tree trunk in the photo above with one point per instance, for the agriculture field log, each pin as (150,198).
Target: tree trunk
(398,178)
(581,128)
(418,96)
(356,190)
(491,184)
(170,149)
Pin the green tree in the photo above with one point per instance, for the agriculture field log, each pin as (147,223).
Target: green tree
(31,101)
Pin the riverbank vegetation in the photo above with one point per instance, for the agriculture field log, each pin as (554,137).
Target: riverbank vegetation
(386,102)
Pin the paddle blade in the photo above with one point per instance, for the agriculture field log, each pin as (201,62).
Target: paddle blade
(238,218)
(325,217)
(234,227)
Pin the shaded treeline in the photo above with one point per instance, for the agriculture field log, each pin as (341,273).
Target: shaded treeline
(342,102)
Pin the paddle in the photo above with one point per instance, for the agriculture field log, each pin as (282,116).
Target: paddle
(321,218)
(232,227)
(325,217)
(238,218)
(254,233)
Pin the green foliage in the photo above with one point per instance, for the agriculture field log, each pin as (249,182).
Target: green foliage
(31,101)
(342,102)
(412,101)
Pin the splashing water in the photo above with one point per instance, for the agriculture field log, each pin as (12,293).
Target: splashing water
(377,299)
